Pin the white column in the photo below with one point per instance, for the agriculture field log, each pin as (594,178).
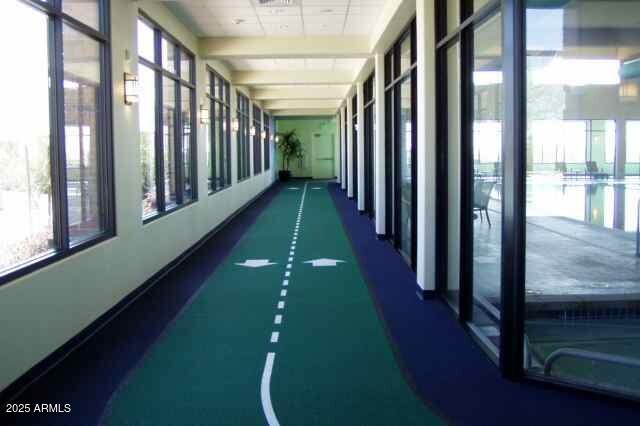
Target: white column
(379,175)
(252,170)
(337,163)
(426,150)
(360,146)
(234,136)
(350,172)
(343,144)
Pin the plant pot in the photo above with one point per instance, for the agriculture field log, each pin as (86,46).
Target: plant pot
(284,175)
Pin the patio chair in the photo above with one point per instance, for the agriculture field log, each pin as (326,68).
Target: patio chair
(594,171)
(481,196)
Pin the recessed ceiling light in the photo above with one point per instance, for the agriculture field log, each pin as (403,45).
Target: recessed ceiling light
(326,11)
(284,26)
(237,21)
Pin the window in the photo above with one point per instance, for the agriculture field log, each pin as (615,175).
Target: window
(401,143)
(354,146)
(257,140)
(267,142)
(581,299)
(244,168)
(219,148)
(369,142)
(167,121)
(55,180)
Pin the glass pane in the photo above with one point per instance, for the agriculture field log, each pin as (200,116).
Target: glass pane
(453,15)
(209,144)
(477,4)
(453,174)
(487,179)
(169,140)
(185,66)
(146,45)
(168,55)
(405,55)
(405,174)
(147,116)
(82,134)
(85,11)
(583,274)
(25,170)
(186,144)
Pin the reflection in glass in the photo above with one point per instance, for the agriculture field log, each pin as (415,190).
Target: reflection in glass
(453,15)
(583,276)
(186,121)
(405,55)
(185,66)
(147,116)
(25,168)
(168,50)
(81,108)
(487,180)
(169,141)
(146,45)
(453,174)
(405,168)
(85,11)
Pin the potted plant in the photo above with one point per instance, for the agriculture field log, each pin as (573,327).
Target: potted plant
(290,147)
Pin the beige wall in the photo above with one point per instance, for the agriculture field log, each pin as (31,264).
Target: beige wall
(43,310)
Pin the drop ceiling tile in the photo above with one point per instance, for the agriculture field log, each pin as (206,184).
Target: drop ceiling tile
(324,10)
(319,64)
(294,29)
(278,11)
(313,29)
(290,64)
(285,19)
(232,12)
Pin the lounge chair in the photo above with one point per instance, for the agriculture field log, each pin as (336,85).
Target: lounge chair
(594,172)
(481,196)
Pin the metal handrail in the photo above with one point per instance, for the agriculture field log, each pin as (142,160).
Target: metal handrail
(588,355)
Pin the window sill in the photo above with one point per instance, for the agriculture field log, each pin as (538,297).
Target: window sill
(217,191)
(50,258)
(157,216)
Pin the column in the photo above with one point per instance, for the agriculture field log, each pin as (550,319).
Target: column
(620,156)
(360,146)
(379,176)
(343,144)
(426,149)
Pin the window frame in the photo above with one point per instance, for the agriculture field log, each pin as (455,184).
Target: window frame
(266,148)
(243,108)
(63,248)
(161,73)
(223,102)
(256,142)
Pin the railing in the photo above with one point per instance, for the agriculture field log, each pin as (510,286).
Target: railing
(588,355)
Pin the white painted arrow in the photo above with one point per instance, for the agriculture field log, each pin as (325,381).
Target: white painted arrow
(324,262)
(255,263)
(293,189)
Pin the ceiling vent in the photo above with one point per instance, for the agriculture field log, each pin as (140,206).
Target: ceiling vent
(276,3)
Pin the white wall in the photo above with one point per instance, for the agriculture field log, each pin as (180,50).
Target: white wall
(43,310)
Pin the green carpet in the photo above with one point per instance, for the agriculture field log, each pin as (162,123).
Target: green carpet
(333,363)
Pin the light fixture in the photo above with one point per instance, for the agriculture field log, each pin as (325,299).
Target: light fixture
(628,91)
(277,138)
(224,126)
(131,95)
(263,135)
(235,126)
(205,114)
(253,131)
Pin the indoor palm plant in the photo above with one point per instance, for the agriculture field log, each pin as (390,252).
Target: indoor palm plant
(290,147)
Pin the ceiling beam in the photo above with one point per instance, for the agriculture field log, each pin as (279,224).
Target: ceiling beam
(280,78)
(303,112)
(301,104)
(284,47)
(300,92)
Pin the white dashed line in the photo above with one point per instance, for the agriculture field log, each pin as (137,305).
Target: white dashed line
(283,293)
(287,274)
(277,319)
(288,266)
(285,283)
(274,337)
(281,304)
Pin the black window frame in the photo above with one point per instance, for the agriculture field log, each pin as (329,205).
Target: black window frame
(354,145)
(63,248)
(161,73)
(266,154)
(256,140)
(215,102)
(243,136)
(369,144)
(393,81)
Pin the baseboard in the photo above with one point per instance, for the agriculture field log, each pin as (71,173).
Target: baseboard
(381,237)
(22,383)
(361,212)
(425,294)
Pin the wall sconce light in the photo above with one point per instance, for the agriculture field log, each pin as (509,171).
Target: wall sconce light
(356,127)
(235,126)
(277,138)
(263,135)
(205,115)
(253,131)
(224,126)
(131,94)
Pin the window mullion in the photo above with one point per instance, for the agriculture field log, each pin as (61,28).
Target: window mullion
(58,166)
(160,189)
